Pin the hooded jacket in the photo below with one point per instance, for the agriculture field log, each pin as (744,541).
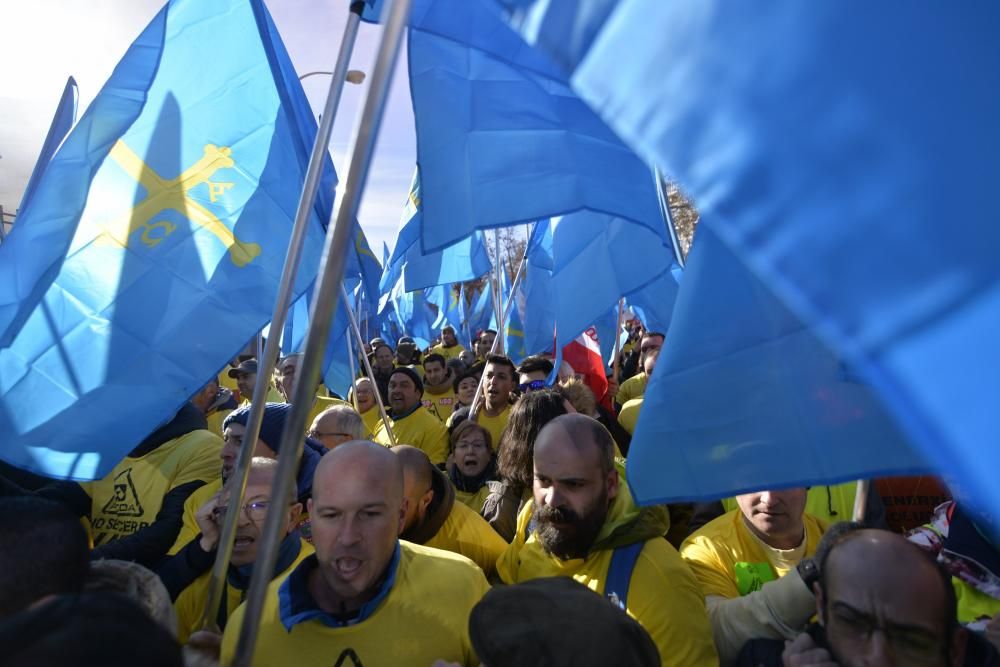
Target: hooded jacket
(452,526)
(663,595)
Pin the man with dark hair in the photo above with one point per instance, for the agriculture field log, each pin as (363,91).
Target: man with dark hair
(449,348)
(533,372)
(583,524)
(485,341)
(499,383)
(439,392)
(43,552)
(628,416)
(365,597)
(410,422)
(434,519)
(635,386)
(382,367)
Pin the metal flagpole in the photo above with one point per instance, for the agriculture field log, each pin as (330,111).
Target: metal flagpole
(861,500)
(477,399)
(368,367)
(324,304)
(266,361)
(661,193)
(352,393)
(497,293)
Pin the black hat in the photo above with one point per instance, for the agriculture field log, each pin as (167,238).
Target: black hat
(412,374)
(248,367)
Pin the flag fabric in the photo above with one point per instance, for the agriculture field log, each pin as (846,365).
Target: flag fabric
(501,138)
(745,397)
(594,260)
(583,353)
(63,120)
(513,304)
(482,311)
(844,161)
(654,303)
(466,259)
(176,195)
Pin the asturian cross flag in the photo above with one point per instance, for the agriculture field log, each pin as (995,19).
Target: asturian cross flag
(167,225)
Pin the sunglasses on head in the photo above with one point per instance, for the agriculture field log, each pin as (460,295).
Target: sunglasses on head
(534,385)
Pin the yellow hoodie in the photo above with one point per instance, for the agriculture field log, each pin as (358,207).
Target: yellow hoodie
(663,595)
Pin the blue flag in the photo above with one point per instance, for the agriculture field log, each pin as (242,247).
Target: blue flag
(466,259)
(578,268)
(482,311)
(501,138)
(654,303)
(180,192)
(748,398)
(63,120)
(858,197)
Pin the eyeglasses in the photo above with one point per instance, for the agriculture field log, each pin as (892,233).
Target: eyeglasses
(915,645)
(471,444)
(316,435)
(255,511)
(534,385)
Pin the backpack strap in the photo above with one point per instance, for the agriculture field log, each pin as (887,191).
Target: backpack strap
(623,561)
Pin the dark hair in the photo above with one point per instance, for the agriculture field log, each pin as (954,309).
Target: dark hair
(501,360)
(456,366)
(486,331)
(534,363)
(435,358)
(43,551)
(517,443)
(463,376)
(83,629)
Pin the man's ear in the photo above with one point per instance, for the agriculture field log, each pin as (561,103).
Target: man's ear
(294,514)
(612,482)
(402,515)
(819,603)
(425,501)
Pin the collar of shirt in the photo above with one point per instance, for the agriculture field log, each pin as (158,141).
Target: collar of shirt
(296,604)
(416,407)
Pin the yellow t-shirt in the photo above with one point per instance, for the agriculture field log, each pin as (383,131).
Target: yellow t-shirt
(130,496)
(189,528)
(465,532)
(440,405)
(837,505)
(371,420)
(663,595)
(215,420)
(473,501)
(420,429)
(494,425)
(729,561)
(273,396)
(447,352)
(424,618)
(634,387)
(190,604)
(629,414)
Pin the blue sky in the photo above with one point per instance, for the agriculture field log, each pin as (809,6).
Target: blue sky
(52,39)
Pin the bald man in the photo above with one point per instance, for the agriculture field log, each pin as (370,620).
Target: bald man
(881,602)
(582,523)
(434,519)
(365,597)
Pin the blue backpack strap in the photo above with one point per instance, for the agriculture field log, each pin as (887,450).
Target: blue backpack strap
(623,561)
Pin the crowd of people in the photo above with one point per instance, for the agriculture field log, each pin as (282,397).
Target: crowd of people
(457,508)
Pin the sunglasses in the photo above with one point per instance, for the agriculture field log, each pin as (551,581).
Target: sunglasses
(534,385)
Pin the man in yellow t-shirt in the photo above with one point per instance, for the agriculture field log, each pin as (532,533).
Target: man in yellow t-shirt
(635,386)
(745,561)
(500,376)
(434,519)
(246,379)
(628,416)
(410,422)
(449,347)
(257,501)
(337,425)
(439,391)
(365,597)
(582,523)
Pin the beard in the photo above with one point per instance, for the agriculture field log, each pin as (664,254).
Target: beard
(565,534)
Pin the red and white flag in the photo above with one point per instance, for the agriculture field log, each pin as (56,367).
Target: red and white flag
(584,355)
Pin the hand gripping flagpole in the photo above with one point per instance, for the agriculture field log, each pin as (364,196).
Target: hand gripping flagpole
(501,328)
(668,219)
(356,333)
(324,304)
(266,361)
